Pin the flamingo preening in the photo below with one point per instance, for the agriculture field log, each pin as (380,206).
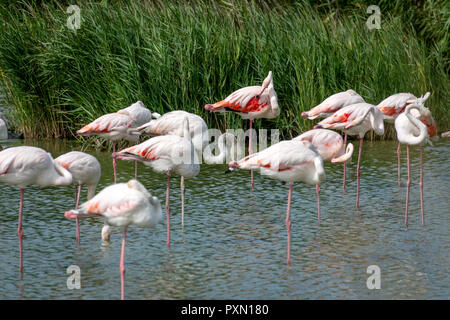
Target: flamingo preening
(290,161)
(414,127)
(355,119)
(329,106)
(122,204)
(392,107)
(85,169)
(167,153)
(23,166)
(330,146)
(251,103)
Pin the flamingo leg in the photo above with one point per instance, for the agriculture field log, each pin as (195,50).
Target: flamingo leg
(421,185)
(358,172)
(398,162)
(318,201)
(20,231)
(122,265)
(345,165)
(182,200)
(408,183)
(167,208)
(114,163)
(250,151)
(76,207)
(135,169)
(288,225)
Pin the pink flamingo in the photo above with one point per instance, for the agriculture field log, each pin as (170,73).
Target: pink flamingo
(141,115)
(168,153)
(24,166)
(85,169)
(414,127)
(291,161)
(356,119)
(392,107)
(113,127)
(251,103)
(330,146)
(122,204)
(329,106)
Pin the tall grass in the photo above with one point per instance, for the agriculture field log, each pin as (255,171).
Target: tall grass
(183,55)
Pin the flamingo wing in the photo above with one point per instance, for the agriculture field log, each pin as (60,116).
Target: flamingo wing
(107,123)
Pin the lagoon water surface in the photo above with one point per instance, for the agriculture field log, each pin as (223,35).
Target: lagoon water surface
(233,245)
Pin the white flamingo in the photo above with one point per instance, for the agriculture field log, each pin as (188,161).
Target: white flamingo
(85,169)
(23,166)
(413,128)
(251,103)
(392,107)
(329,106)
(355,119)
(330,146)
(170,124)
(121,205)
(168,153)
(141,115)
(291,161)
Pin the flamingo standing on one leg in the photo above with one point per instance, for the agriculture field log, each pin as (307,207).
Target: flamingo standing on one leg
(85,169)
(111,126)
(356,119)
(251,103)
(122,204)
(141,115)
(330,146)
(168,153)
(24,166)
(414,127)
(392,107)
(329,106)
(291,161)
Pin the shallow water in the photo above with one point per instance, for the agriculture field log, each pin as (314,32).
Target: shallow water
(233,245)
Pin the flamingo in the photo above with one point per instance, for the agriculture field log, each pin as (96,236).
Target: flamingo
(414,127)
(85,169)
(356,119)
(171,122)
(23,166)
(251,103)
(392,107)
(113,127)
(121,205)
(330,146)
(3,127)
(291,161)
(329,106)
(168,153)
(141,115)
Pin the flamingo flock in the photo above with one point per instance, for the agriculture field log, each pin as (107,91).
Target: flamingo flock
(178,140)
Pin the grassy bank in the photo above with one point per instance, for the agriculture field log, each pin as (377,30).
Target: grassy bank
(181,56)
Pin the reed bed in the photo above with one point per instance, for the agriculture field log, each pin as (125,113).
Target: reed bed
(182,55)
